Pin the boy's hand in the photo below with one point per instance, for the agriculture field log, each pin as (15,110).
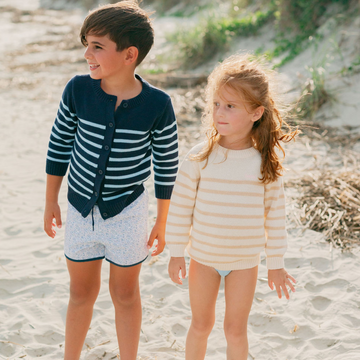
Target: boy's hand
(52,211)
(157,232)
(280,278)
(176,265)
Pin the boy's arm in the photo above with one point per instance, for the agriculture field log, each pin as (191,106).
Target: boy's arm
(165,152)
(52,208)
(158,231)
(60,148)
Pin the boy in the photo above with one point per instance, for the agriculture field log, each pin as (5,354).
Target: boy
(109,125)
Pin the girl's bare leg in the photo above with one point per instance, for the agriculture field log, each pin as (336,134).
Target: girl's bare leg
(204,282)
(125,294)
(84,289)
(239,293)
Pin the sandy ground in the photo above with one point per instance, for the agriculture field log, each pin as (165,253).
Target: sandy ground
(320,321)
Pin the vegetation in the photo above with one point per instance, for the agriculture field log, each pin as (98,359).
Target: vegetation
(296,22)
(214,34)
(314,93)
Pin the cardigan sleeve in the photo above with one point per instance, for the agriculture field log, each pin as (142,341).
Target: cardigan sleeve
(62,135)
(182,204)
(275,228)
(165,153)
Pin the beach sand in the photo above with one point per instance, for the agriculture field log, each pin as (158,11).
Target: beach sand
(320,321)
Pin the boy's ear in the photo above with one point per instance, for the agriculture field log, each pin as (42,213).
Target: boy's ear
(131,55)
(258,113)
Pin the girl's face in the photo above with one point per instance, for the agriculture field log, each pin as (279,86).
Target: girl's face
(232,120)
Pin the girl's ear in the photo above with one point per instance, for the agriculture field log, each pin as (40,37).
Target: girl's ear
(258,113)
(131,55)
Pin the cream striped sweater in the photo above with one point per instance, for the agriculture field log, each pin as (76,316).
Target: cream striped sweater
(223,215)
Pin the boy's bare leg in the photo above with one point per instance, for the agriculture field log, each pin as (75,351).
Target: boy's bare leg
(125,294)
(204,284)
(239,294)
(84,288)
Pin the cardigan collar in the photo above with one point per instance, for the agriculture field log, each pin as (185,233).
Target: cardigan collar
(131,103)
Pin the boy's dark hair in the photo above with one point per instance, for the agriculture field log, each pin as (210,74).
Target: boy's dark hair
(125,23)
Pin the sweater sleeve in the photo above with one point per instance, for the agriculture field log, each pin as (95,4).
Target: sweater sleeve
(275,228)
(182,204)
(62,135)
(165,153)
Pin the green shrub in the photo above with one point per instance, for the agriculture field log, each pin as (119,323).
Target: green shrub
(303,15)
(214,34)
(314,94)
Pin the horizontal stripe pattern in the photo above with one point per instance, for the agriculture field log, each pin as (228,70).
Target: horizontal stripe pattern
(111,155)
(224,215)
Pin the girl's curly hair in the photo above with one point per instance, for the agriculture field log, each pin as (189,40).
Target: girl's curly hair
(254,84)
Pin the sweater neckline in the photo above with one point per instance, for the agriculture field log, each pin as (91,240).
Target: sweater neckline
(130,103)
(238,154)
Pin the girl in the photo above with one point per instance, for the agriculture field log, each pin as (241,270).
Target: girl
(228,204)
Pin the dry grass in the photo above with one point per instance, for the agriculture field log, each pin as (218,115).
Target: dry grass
(329,203)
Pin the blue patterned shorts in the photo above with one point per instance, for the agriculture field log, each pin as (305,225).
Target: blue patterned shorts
(121,240)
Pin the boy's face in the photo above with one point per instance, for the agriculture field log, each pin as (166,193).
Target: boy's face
(104,61)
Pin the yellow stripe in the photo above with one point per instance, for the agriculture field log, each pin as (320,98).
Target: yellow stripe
(215,203)
(230,192)
(187,176)
(277,237)
(240,257)
(228,246)
(275,218)
(185,186)
(230,216)
(183,196)
(176,234)
(222,255)
(227,226)
(212,261)
(267,209)
(181,206)
(252,237)
(273,188)
(179,225)
(178,215)
(275,247)
(240,182)
(275,228)
(270,198)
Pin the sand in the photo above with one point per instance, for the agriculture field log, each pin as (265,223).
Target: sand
(320,321)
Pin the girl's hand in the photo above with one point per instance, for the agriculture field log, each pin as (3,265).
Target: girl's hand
(52,211)
(280,278)
(157,232)
(176,265)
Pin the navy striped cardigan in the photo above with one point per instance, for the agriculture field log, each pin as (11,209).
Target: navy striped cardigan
(110,151)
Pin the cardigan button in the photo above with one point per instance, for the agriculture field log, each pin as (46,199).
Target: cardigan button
(105,214)
(111,124)
(95,193)
(100,172)
(125,105)
(106,147)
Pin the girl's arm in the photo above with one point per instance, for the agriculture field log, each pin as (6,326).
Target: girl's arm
(158,231)
(180,217)
(52,208)
(177,266)
(276,244)
(280,278)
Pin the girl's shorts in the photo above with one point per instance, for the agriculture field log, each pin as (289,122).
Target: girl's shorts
(223,272)
(121,240)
